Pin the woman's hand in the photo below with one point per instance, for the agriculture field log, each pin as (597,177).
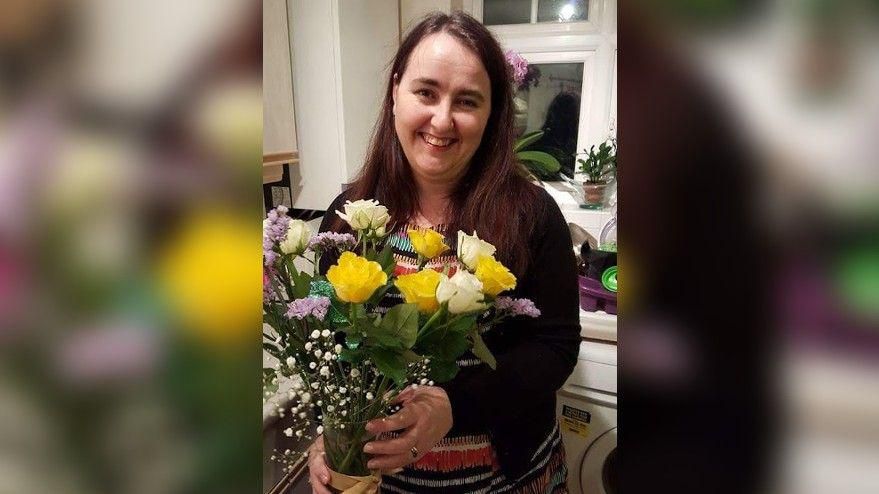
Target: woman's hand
(318,473)
(425,419)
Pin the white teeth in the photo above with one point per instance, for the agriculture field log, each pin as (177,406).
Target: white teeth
(437,141)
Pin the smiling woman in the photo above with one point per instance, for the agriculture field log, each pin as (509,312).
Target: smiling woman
(441,104)
(442,157)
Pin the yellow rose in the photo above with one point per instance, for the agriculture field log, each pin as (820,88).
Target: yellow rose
(420,288)
(495,277)
(355,278)
(427,242)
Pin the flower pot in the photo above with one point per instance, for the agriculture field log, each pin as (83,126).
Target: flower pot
(594,193)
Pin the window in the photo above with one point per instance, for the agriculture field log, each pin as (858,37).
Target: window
(551,103)
(573,44)
(506,12)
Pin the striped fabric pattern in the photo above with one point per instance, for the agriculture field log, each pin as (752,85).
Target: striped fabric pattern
(467,463)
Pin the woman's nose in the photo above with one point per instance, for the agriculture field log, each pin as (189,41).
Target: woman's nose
(442,118)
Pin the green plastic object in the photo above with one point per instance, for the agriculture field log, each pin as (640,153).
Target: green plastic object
(609,278)
(322,288)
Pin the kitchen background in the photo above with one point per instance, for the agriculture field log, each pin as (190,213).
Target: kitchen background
(324,65)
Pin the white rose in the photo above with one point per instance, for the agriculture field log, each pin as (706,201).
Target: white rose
(471,248)
(463,292)
(365,215)
(297,238)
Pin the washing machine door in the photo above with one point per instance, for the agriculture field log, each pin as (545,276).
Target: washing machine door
(598,467)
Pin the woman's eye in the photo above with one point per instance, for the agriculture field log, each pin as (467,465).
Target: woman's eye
(424,93)
(468,103)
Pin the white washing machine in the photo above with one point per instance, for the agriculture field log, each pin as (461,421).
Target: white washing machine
(587,414)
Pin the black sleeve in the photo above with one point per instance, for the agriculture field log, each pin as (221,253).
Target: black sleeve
(534,356)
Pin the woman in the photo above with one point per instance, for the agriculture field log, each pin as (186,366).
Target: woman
(442,157)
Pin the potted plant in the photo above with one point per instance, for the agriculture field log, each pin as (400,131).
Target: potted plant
(600,168)
(539,164)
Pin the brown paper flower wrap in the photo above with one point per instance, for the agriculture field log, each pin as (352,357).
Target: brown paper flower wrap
(349,484)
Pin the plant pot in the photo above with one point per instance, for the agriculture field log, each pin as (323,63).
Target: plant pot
(593,192)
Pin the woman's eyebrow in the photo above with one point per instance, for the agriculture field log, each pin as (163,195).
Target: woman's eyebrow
(473,93)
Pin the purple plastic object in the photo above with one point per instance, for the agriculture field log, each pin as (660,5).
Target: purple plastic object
(593,296)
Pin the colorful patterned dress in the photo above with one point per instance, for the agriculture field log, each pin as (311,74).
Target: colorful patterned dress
(467,463)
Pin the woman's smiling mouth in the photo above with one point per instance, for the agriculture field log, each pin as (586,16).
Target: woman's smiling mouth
(437,142)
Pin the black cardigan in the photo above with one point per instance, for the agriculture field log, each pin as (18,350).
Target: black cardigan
(516,403)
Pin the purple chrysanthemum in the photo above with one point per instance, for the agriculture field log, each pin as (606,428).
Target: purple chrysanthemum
(517,306)
(325,241)
(308,306)
(274,229)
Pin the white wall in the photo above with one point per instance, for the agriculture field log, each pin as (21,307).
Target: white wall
(340,51)
(369,40)
(279,128)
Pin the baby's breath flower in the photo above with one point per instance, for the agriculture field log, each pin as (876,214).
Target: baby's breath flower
(320,429)
(315,334)
(288,432)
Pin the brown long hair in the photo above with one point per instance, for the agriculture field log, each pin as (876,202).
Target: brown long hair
(493,198)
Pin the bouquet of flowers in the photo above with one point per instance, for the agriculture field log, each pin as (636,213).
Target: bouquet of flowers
(347,360)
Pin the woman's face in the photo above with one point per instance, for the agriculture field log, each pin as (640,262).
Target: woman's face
(441,105)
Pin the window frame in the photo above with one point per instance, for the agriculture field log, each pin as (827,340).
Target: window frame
(592,42)
(592,24)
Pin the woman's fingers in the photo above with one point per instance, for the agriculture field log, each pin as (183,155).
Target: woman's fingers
(404,395)
(318,473)
(398,445)
(400,420)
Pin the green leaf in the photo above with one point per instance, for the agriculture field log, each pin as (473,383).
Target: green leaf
(445,345)
(482,352)
(399,327)
(386,259)
(353,356)
(526,140)
(547,162)
(463,324)
(442,370)
(411,356)
(378,294)
(301,283)
(390,364)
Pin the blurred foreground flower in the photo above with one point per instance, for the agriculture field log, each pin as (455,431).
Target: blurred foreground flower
(210,274)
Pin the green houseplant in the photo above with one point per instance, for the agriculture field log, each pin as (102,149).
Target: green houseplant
(600,167)
(540,164)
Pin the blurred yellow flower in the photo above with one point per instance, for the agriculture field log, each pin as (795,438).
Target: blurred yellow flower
(427,242)
(495,277)
(420,288)
(210,274)
(355,278)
